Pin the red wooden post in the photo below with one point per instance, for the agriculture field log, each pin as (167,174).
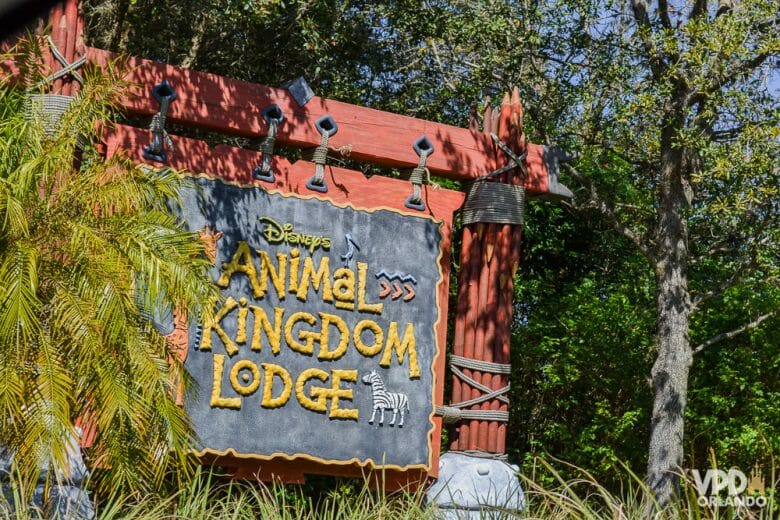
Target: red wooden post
(72,34)
(66,25)
(489,257)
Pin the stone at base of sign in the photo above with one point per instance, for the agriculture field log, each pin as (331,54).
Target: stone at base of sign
(472,488)
(66,500)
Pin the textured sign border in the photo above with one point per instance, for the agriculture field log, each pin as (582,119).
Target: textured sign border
(438,342)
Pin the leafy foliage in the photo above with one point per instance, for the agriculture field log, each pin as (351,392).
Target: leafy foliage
(603,78)
(83,241)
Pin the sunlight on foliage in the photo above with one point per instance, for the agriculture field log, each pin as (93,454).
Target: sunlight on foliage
(79,237)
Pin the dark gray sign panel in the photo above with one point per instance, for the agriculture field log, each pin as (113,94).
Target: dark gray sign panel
(324,345)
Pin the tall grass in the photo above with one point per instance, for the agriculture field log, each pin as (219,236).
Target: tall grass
(583,497)
(210,497)
(549,496)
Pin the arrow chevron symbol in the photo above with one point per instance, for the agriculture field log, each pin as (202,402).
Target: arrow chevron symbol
(410,293)
(385,289)
(398,275)
(399,290)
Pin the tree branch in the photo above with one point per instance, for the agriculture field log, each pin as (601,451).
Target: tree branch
(595,199)
(444,74)
(699,8)
(739,272)
(195,42)
(749,260)
(639,8)
(739,330)
(740,69)
(663,13)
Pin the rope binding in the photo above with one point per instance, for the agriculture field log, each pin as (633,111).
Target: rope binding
(164,93)
(327,127)
(274,116)
(423,147)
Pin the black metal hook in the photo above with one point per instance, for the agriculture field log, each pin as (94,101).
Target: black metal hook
(274,116)
(327,127)
(164,93)
(424,148)
(312,185)
(411,204)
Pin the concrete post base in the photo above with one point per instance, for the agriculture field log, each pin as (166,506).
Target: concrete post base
(475,488)
(66,499)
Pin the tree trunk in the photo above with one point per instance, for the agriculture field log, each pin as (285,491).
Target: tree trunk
(122,8)
(671,368)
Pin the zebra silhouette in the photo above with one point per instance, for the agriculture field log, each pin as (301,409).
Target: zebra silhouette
(383,400)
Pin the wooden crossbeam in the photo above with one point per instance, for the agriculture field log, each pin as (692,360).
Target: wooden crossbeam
(235,107)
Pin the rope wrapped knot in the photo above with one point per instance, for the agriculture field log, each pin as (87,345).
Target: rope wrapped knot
(274,117)
(327,127)
(497,202)
(320,158)
(51,107)
(455,412)
(420,174)
(67,67)
(164,93)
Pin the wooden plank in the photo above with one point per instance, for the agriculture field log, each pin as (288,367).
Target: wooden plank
(236,164)
(235,107)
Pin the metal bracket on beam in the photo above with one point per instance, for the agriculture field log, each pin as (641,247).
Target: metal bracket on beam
(274,116)
(164,93)
(300,90)
(423,147)
(553,156)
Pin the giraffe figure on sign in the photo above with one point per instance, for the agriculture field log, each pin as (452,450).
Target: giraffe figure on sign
(383,400)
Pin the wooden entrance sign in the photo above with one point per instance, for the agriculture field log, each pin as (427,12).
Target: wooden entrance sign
(328,348)
(329,296)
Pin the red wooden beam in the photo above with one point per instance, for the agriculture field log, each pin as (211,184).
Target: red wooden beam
(235,107)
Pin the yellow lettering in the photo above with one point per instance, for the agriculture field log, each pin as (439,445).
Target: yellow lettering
(277,275)
(242,314)
(337,393)
(253,382)
(217,401)
(341,349)
(375,308)
(309,336)
(213,324)
(271,371)
(344,288)
(295,263)
(320,405)
(357,336)
(401,347)
(242,263)
(320,277)
(273,333)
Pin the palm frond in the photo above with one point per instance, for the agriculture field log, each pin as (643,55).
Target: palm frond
(19,303)
(80,242)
